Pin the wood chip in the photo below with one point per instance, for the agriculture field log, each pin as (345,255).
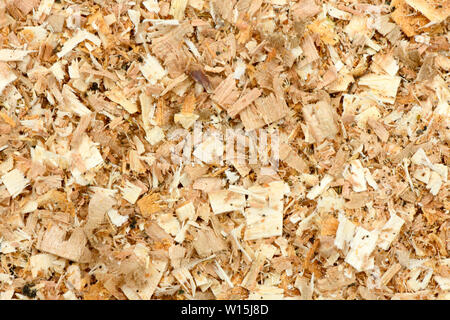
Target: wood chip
(225,201)
(15,182)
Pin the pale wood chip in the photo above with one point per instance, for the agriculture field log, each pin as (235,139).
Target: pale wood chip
(101,202)
(243,102)
(206,243)
(226,93)
(79,37)
(305,9)
(292,159)
(118,97)
(383,87)
(6,76)
(361,247)
(344,234)
(435,12)
(389,231)
(52,241)
(185,212)
(12,55)
(390,273)
(271,109)
(225,201)
(379,129)
(321,122)
(251,118)
(263,223)
(15,182)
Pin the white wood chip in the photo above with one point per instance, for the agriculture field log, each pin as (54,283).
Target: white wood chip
(79,37)
(383,87)
(355,174)
(116,218)
(131,192)
(319,189)
(186,212)
(15,182)
(344,234)
(152,69)
(225,201)
(389,231)
(13,55)
(6,76)
(263,223)
(361,247)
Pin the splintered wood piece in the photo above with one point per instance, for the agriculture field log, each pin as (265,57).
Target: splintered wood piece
(116,218)
(443,282)
(389,231)
(250,278)
(383,87)
(186,120)
(6,76)
(263,252)
(243,102)
(156,271)
(271,109)
(148,204)
(344,234)
(292,159)
(305,9)
(319,189)
(152,69)
(309,51)
(410,23)
(52,241)
(44,263)
(210,151)
(100,203)
(226,93)
(73,103)
(57,199)
(177,8)
(222,201)
(264,218)
(185,279)
(118,97)
(361,247)
(199,76)
(379,129)
(356,176)
(390,273)
(206,243)
(263,223)
(131,192)
(26,6)
(15,182)
(169,223)
(186,212)
(12,55)
(79,37)
(435,12)
(251,118)
(321,122)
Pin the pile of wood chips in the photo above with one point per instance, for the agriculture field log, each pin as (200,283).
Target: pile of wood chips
(94,204)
